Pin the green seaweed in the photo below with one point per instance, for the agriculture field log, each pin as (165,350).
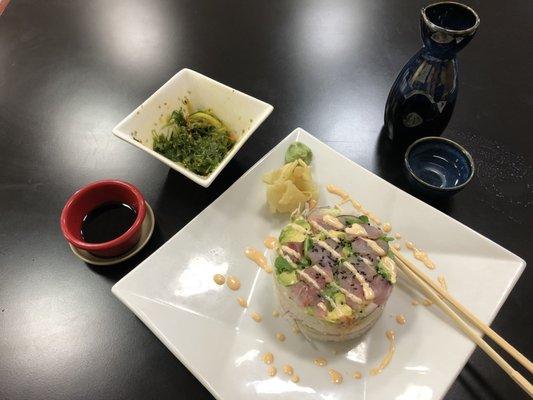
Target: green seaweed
(199,144)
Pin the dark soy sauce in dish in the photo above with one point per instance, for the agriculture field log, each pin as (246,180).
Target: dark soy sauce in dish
(107,222)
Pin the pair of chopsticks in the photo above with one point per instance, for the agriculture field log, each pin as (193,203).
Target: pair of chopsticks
(440,297)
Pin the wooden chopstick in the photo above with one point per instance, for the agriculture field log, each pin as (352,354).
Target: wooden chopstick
(468,314)
(515,375)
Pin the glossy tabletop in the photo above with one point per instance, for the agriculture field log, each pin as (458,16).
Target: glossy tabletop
(69,71)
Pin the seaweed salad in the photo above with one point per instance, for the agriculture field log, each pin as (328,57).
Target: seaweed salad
(198,141)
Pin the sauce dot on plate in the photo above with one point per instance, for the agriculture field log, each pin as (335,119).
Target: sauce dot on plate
(320,361)
(357,375)
(400,319)
(336,376)
(280,336)
(242,302)
(270,242)
(288,369)
(268,358)
(233,283)
(256,317)
(272,371)
(219,279)
(295,378)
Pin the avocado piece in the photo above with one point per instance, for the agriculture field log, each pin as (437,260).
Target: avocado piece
(337,234)
(203,117)
(287,278)
(347,251)
(340,312)
(361,220)
(386,268)
(308,245)
(282,265)
(339,298)
(321,236)
(289,234)
(384,272)
(298,150)
(303,223)
(304,262)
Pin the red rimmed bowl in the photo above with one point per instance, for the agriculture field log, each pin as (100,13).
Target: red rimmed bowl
(93,195)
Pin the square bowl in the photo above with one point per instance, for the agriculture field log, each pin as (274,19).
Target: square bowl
(241,113)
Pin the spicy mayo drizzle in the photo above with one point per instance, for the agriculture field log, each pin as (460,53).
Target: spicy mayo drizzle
(420,255)
(345,198)
(257,257)
(270,242)
(388,357)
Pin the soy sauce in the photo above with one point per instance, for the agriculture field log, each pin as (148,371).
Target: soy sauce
(107,222)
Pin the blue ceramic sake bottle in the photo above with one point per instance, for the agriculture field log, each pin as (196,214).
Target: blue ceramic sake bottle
(422,98)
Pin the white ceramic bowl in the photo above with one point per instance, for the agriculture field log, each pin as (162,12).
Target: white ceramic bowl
(241,113)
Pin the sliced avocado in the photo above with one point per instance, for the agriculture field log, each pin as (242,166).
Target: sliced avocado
(347,251)
(383,271)
(308,245)
(304,262)
(362,219)
(287,278)
(329,293)
(339,312)
(349,220)
(337,234)
(289,234)
(282,265)
(303,223)
(339,298)
(201,116)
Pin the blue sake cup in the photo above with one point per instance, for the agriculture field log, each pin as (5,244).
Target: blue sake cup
(438,167)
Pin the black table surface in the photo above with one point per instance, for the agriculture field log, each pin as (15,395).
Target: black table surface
(69,71)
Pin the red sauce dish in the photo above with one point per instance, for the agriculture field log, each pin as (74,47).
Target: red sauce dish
(89,198)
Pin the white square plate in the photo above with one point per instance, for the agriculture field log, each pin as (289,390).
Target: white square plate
(241,113)
(174,294)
